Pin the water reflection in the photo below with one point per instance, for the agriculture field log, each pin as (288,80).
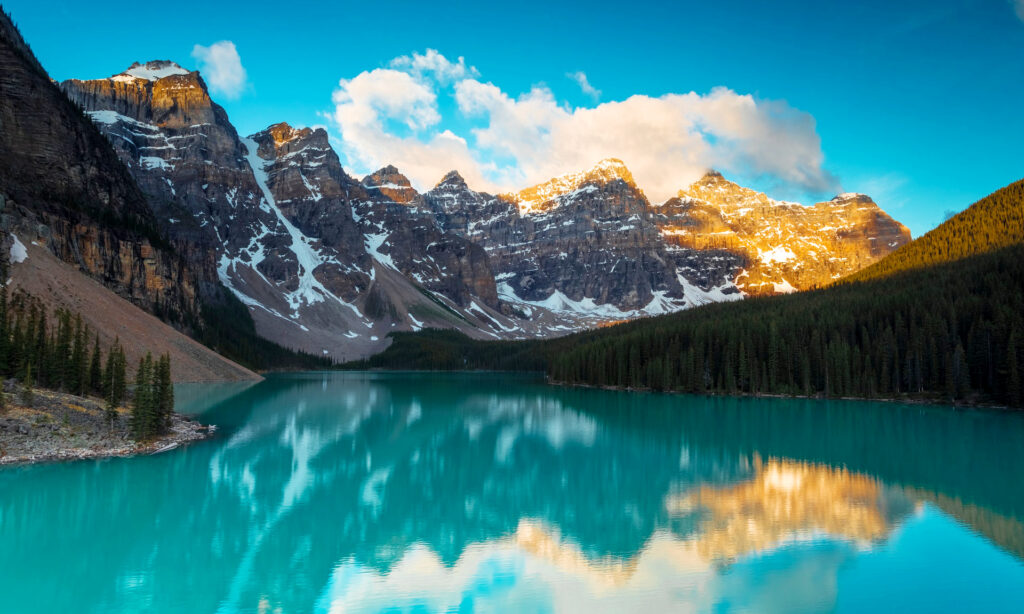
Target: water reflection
(364,492)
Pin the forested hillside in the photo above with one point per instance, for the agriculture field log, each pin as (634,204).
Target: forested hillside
(932,324)
(991,223)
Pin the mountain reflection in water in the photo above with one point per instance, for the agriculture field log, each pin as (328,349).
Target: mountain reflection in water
(409,492)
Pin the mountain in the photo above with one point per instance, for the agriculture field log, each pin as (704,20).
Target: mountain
(950,329)
(301,243)
(62,185)
(785,246)
(584,246)
(332,264)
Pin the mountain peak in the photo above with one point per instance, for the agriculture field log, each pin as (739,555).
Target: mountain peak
(602,173)
(387,174)
(610,169)
(150,71)
(845,196)
(283,132)
(452,179)
(392,184)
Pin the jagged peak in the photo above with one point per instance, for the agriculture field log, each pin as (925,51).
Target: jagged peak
(392,184)
(610,169)
(715,189)
(283,132)
(387,174)
(850,196)
(452,179)
(153,70)
(602,173)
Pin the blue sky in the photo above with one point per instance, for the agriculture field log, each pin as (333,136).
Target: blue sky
(918,104)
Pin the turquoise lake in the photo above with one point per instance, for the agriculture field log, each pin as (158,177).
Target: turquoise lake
(407,492)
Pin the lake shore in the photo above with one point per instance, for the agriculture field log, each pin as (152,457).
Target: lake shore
(905,400)
(64,427)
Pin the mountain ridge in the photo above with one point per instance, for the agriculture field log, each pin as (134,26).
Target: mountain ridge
(577,251)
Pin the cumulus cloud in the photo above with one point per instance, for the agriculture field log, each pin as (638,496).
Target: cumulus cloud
(432,63)
(393,116)
(1018,6)
(221,67)
(580,78)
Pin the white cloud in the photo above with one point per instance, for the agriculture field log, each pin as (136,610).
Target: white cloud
(580,78)
(393,116)
(1018,6)
(434,64)
(221,67)
(366,106)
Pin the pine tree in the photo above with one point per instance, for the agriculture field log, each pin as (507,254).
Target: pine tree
(142,402)
(27,395)
(165,392)
(5,331)
(1013,375)
(95,372)
(62,351)
(76,366)
(114,377)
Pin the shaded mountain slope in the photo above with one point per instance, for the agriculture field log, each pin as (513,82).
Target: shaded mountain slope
(60,286)
(59,172)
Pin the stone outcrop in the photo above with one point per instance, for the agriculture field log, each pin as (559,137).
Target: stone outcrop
(62,184)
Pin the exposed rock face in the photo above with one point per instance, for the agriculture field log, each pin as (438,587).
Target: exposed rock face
(403,233)
(290,229)
(583,242)
(330,263)
(273,207)
(62,183)
(786,246)
(312,192)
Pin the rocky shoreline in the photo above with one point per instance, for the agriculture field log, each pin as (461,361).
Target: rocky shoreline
(63,427)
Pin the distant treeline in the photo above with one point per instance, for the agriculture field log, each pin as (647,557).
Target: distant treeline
(937,323)
(952,332)
(448,350)
(229,330)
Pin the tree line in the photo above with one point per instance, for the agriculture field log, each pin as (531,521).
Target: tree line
(953,332)
(64,355)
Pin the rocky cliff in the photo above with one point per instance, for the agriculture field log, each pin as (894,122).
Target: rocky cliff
(325,263)
(62,185)
(785,246)
(330,263)
(585,243)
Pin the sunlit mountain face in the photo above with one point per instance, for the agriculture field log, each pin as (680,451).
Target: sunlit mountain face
(376,492)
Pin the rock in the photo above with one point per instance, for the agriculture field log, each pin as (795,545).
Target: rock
(59,172)
(785,246)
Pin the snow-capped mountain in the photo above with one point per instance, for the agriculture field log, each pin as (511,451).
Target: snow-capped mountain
(330,263)
(785,246)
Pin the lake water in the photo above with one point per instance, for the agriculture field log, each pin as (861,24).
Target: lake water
(371,492)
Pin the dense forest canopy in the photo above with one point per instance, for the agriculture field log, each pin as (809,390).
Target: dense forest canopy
(942,318)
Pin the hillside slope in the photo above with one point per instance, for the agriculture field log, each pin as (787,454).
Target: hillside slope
(993,222)
(59,286)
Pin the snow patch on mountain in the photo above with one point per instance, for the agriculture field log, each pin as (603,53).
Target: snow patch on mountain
(18,253)
(150,71)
